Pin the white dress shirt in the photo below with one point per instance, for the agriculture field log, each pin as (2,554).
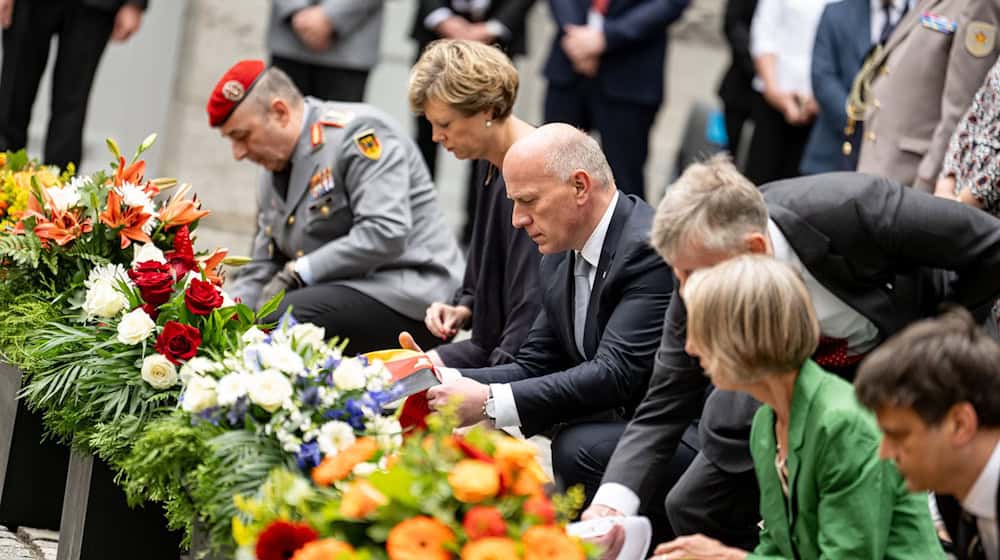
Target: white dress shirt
(503,396)
(836,319)
(878,15)
(787,29)
(982,502)
(476,9)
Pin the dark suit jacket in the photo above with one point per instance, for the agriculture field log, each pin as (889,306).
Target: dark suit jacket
(843,38)
(551,381)
(890,252)
(736,89)
(962,534)
(636,35)
(114,5)
(511,13)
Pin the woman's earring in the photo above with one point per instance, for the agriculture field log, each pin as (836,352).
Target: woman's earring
(489,124)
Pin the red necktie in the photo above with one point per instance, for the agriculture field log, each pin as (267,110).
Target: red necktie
(600,6)
(832,352)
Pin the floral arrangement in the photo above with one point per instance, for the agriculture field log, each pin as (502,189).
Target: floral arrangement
(16,175)
(479,496)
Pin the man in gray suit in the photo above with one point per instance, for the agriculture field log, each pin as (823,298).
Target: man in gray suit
(921,84)
(348,225)
(327,47)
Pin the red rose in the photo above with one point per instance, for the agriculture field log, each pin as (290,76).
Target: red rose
(154,281)
(201,297)
(178,342)
(540,507)
(484,521)
(281,539)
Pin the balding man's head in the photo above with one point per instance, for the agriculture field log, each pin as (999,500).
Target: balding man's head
(560,183)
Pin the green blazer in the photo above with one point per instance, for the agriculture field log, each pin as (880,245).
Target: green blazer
(844,502)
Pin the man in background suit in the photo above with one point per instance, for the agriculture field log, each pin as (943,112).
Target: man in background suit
(874,255)
(327,47)
(84,28)
(348,223)
(605,73)
(736,88)
(933,388)
(847,30)
(586,361)
(921,84)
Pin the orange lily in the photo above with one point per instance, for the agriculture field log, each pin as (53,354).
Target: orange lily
(210,265)
(131,174)
(63,228)
(179,212)
(130,221)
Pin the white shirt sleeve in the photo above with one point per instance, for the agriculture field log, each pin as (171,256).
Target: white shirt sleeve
(448,374)
(435,18)
(618,497)
(304,270)
(506,408)
(765,29)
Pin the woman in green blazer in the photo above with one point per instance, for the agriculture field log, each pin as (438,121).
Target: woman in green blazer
(824,493)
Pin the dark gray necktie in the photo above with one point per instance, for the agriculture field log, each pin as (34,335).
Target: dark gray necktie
(581,297)
(890,25)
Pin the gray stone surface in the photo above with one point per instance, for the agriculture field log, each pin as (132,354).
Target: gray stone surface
(19,547)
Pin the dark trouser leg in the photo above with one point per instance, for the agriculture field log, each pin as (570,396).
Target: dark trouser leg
(339,84)
(736,117)
(298,72)
(82,40)
(568,104)
(349,314)
(581,452)
(721,505)
(25,53)
(624,129)
(776,147)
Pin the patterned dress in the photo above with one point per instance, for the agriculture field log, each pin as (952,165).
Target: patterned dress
(973,156)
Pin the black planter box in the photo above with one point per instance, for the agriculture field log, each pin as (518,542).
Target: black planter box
(32,471)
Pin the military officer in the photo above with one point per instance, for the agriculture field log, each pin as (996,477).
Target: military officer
(348,221)
(920,85)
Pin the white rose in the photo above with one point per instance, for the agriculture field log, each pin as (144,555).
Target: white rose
(269,389)
(335,436)
(349,375)
(104,300)
(254,336)
(309,334)
(135,327)
(232,387)
(143,252)
(364,469)
(196,366)
(387,431)
(159,372)
(281,357)
(199,394)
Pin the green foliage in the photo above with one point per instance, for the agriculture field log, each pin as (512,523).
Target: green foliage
(21,250)
(17,161)
(22,309)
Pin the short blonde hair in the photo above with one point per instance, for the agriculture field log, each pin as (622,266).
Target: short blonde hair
(711,205)
(467,75)
(752,317)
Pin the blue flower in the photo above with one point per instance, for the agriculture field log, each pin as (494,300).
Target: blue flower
(376,400)
(308,455)
(210,415)
(310,396)
(238,412)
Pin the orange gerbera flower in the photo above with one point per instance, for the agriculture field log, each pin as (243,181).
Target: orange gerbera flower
(420,538)
(492,548)
(550,543)
(325,549)
(360,499)
(179,212)
(63,228)
(473,481)
(130,221)
(337,467)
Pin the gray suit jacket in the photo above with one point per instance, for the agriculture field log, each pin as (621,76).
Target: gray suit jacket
(370,224)
(924,83)
(357,24)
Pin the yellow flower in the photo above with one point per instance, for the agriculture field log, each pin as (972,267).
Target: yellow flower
(473,481)
(490,548)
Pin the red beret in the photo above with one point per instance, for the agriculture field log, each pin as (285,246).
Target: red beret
(232,89)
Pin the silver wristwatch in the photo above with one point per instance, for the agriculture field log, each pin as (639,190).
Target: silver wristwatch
(490,406)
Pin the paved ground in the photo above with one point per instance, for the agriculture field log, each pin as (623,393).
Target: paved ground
(28,544)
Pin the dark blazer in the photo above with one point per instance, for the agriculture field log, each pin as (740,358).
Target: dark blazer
(892,253)
(114,5)
(635,31)
(963,531)
(736,88)
(511,13)
(843,38)
(551,381)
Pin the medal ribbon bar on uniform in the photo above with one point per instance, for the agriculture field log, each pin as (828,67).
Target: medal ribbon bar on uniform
(942,24)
